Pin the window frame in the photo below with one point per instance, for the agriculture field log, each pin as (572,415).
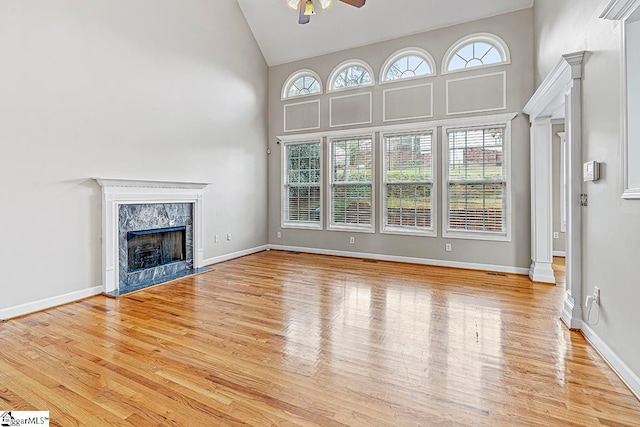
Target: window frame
(343,66)
(331,226)
(294,77)
(488,38)
(300,225)
(411,51)
(408,231)
(448,233)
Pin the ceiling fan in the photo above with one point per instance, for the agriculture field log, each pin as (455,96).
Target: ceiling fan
(305,7)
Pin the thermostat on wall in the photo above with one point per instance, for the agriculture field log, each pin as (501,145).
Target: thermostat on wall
(591,171)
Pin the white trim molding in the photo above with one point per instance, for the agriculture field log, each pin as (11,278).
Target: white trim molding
(333,98)
(623,11)
(234,255)
(561,89)
(625,373)
(44,304)
(410,260)
(284,114)
(384,102)
(405,127)
(619,10)
(483,110)
(116,192)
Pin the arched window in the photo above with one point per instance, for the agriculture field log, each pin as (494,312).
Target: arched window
(301,83)
(408,64)
(476,50)
(351,74)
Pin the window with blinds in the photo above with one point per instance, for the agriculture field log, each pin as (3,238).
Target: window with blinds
(302,185)
(476,187)
(408,183)
(351,184)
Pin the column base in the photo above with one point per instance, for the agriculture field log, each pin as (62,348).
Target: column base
(542,272)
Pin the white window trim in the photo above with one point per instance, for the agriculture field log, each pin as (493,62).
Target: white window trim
(295,76)
(477,235)
(413,51)
(489,38)
(283,189)
(477,121)
(341,67)
(434,185)
(343,227)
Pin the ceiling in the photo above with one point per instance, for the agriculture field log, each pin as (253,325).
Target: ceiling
(281,39)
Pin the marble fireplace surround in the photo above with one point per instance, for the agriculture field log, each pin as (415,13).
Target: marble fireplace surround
(117,192)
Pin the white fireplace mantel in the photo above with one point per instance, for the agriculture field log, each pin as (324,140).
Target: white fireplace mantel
(116,191)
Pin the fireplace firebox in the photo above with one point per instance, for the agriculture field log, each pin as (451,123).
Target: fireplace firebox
(156,247)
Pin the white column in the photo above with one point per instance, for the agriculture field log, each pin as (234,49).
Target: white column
(572,310)
(541,191)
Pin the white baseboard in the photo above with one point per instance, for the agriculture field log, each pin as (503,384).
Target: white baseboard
(411,260)
(43,304)
(227,257)
(559,253)
(624,372)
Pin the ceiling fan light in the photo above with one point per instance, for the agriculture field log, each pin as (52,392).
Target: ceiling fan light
(308,8)
(325,3)
(293,4)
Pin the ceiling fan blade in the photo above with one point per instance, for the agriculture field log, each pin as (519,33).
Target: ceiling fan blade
(356,3)
(302,18)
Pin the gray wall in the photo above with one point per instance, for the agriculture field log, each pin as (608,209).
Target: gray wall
(559,244)
(516,30)
(611,230)
(151,89)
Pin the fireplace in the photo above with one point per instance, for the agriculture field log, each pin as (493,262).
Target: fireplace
(151,232)
(155,243)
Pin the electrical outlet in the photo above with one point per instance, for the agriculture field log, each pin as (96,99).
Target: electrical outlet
(216,238)
(447,247)
(352,239)
(596,295)
(228,236)
(279,235)
(556,235)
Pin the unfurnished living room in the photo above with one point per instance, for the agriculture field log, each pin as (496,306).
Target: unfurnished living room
(320,213)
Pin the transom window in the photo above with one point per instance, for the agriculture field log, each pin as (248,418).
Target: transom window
(351,184)
(301,83)
(408,183)
(478,50)
(408,64)
(302,185)
(351,75)
(476,182)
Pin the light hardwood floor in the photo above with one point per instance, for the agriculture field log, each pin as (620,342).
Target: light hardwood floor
(280,338)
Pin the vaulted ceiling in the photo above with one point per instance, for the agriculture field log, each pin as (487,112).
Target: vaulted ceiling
(281,39)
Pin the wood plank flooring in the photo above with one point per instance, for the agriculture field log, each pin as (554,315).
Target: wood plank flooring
(279,338)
